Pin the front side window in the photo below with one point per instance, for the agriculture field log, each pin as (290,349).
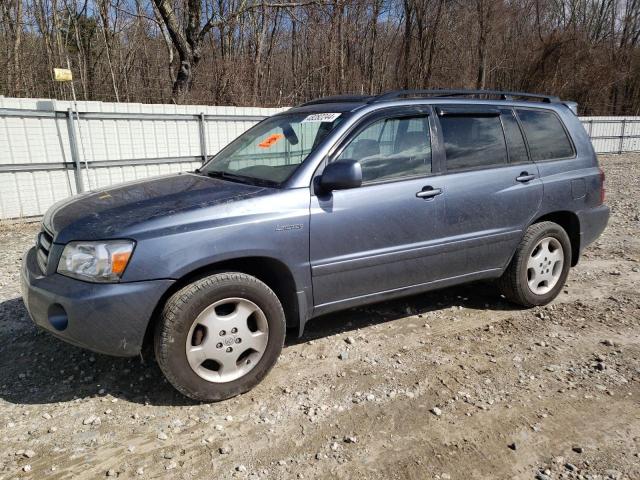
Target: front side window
(545,134)
(392,148)
(271,151)
(473,141)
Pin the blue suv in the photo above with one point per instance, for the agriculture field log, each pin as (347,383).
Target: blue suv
(336,203)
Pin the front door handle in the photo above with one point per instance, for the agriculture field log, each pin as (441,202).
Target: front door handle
(525,177)
(428,192)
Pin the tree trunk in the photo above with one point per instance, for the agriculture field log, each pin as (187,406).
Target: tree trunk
(16,47)
(482,45)
(187,43)
(257,67)
(184,79)
(372,47)
(408,24)
(432,45)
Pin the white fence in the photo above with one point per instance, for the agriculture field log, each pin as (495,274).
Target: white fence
(47,154)
(613,134)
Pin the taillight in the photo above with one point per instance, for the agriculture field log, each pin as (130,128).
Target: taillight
(602,191)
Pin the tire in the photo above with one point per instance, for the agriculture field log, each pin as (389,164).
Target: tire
(189,338)
(523,282)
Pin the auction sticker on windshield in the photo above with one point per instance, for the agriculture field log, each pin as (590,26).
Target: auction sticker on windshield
(321,117)
(270,140)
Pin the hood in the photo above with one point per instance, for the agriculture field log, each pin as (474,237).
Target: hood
(114,211)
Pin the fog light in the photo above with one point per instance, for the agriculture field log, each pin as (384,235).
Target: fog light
(58,317)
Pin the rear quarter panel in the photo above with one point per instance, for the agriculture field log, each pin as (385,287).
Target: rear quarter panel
(571,184)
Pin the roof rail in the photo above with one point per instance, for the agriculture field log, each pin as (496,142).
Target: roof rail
(338,99)
(396,94)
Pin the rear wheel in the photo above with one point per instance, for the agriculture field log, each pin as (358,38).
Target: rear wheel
(219,336)
(540,266)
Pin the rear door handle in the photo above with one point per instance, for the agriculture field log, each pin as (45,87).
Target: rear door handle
(525,177)
(428,192)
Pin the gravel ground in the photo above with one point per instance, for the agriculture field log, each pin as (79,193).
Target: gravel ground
(454,384)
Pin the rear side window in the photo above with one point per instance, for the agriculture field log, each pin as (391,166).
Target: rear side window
(545,134)
(473,141)
(515,141)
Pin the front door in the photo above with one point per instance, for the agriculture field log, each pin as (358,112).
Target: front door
(377,238)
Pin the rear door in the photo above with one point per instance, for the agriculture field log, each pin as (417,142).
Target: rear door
(491,189)
(377,238)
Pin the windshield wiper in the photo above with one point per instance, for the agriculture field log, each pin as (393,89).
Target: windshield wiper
(234,177)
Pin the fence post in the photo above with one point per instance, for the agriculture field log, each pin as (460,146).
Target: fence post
(75,156)
(590,127)
(624,123)
(203,137)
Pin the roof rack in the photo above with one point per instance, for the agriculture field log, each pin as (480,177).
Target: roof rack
(339,99)
(436,93)
(397,94)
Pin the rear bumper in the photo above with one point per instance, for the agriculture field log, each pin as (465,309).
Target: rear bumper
(592,223)
(106,318)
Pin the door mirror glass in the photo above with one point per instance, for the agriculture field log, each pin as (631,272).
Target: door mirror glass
(341,175)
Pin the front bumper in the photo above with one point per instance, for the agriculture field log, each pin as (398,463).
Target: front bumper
(106,318)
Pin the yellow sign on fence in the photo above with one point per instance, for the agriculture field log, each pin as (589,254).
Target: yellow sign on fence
(62,75)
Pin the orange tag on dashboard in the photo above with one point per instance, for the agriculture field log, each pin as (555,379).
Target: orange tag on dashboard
(270,140)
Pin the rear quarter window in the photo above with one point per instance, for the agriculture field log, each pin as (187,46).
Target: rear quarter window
(545,134)
(515,141)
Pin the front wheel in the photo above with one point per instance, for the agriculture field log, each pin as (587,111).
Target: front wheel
(219,336)
(539,268)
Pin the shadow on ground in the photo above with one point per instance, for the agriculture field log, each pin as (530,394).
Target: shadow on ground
(37,368)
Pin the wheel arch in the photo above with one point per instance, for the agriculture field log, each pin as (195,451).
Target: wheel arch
(274,273)
(570,222)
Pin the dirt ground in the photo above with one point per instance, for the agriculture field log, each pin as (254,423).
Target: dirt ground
(455,384)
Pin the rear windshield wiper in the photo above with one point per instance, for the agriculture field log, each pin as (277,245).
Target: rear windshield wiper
(241,178)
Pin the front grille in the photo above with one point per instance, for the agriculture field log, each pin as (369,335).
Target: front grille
(43,248)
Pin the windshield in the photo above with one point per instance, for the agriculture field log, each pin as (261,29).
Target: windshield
(272,150)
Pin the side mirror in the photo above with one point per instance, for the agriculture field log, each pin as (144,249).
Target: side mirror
(341,175)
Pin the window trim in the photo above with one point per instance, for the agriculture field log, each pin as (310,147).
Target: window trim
(468,111)
(368,120)
(564,128)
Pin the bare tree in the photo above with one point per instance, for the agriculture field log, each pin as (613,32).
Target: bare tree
(280,52)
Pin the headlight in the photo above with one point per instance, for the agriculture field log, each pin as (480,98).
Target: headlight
(96,261)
